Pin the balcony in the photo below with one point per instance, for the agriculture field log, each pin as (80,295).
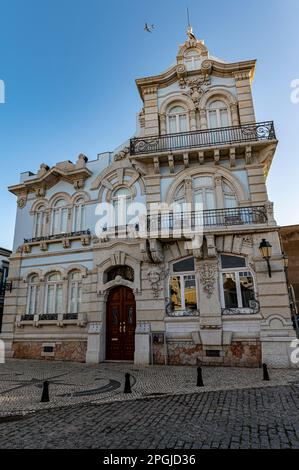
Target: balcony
(233,135)
(177,224)
(195,221)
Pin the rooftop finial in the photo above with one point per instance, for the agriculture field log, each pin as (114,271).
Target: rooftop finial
(190,33)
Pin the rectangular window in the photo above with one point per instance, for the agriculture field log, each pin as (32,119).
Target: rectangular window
(182,292)
(172,125)
(247,288)
(230,290)
(190,293)
(175,292)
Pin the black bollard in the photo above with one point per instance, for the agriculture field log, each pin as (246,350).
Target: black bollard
(199,377)
(127,384)
(45,395)
(265,373)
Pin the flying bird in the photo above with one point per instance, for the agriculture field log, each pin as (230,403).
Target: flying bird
(148,28)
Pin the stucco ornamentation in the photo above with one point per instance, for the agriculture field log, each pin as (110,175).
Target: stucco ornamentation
(22,202)
(155,276)
(196,87)
(208,274)
(122,154)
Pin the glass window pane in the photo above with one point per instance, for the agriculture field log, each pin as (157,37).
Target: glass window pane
(175,292)
(183,123)
(230,290)
(230,262)
(247,288)
(190,293)
(230,202)
(213,119)
(203,181)
(224,118)
(59,300)
(172,124)
(63,227)
(50,300)
(210,199)
(184,266)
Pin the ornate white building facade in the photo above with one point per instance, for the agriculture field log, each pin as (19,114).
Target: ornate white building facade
(83,292)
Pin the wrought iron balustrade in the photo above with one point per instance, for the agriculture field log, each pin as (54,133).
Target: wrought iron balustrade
(196,220)
(261,131)
(48,316)
(70,316)
(58,236)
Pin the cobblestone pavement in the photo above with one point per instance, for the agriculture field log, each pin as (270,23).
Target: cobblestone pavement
(73,383)
(247,419)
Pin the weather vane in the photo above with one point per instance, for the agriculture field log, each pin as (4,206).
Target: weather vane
(190,33)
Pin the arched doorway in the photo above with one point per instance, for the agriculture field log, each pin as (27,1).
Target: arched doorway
(120,324)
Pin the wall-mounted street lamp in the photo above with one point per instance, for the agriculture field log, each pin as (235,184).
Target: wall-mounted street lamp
(285,261)
(266,253)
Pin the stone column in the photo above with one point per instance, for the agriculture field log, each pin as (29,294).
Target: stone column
(94,353)
(203,119)
(163,126)
(192,118)
(142,355)
(234,114)
(210,307)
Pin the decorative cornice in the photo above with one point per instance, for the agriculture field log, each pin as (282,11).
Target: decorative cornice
(47,177)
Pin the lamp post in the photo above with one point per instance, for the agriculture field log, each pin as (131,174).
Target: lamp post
(266,253)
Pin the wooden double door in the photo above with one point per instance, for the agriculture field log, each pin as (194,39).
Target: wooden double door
(120,325)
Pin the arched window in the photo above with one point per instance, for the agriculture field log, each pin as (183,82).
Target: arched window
(59,217)
(79,215)
(54,294)
(180,197)
(33,296)
(192,60)
(74,292)
(218,114)
(204,193)
(177,120)
(40,222)
(183,298)
(229,196)
(237,286)
(121,198)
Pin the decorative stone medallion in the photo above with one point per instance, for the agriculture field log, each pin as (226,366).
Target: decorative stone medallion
(208,274)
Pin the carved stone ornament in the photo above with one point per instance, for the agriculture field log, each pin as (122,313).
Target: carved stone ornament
(122,154)
(208,274)
(196,87)
(22,202)
(155,276)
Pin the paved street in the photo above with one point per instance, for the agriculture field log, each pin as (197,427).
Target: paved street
(88,409)
(247,418)
(75,383)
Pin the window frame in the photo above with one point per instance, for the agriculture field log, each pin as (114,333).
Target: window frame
(236,272)
(225,107)
(41,211)
(78,288)
(56,284)
(58,212)
(182,275)
(35,288)
(79,208)
(177,116)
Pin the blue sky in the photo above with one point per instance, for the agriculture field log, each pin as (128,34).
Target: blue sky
(69,68)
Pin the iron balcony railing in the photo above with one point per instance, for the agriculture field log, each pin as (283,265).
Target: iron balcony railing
(261,131)
(165,223)
(207,219)
(58,236)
